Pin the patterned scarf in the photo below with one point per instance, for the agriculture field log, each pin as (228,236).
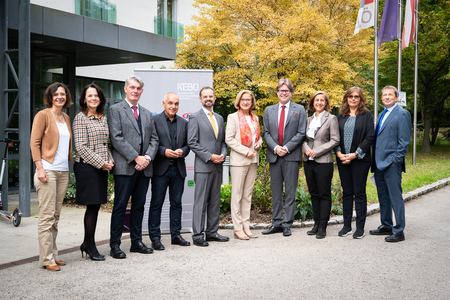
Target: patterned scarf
(246,132)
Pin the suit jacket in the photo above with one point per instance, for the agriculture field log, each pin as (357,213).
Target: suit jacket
(362,134)
(126,138)
(238,154)
(393,139)
(203,142)
(294,131)
(326,138)
(161,163)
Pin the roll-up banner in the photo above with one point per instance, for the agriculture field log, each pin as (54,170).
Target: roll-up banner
(186,84)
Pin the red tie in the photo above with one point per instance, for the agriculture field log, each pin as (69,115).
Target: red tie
(281,127)
(134,107)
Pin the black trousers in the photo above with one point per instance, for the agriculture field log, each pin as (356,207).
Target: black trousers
(353,181)
(318,178)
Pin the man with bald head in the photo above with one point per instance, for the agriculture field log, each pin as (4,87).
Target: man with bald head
(169,170)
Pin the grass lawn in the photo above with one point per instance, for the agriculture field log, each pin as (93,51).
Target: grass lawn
(429,168)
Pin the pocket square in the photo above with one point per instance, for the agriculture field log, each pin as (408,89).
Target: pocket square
(294,114)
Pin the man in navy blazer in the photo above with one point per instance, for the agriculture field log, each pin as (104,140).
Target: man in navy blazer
(391,139)
(169,170)
(284,132)
(206,138)
(134,143)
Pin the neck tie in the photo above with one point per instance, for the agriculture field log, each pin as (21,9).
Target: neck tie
(379,122)
(281,127)
(134,107)
(213,123)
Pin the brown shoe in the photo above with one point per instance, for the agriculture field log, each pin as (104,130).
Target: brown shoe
(54,267)
(60,262)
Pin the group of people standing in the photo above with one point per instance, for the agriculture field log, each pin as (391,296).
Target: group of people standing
(144,146)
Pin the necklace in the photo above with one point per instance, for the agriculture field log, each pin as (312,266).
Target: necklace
(59,118)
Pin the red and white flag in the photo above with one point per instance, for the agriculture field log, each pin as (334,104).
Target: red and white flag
(365,15)
(409,28)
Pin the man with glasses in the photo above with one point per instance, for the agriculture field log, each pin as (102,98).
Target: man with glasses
(284,132)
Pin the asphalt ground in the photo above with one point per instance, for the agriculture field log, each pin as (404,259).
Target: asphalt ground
(269,267)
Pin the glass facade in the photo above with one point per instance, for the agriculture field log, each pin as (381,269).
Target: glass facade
(97,9)
(165,25)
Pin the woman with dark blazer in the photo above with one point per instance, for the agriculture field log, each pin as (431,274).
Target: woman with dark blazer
(322,135)
(92,162)
(353,158)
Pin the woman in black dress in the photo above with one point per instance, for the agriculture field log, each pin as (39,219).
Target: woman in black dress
(353,158)
(92,162)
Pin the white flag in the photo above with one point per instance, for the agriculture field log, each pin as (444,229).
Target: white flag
(409,28)
(365,15)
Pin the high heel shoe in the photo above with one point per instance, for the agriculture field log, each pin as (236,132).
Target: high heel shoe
(245,237)
(251,235)
(95,258)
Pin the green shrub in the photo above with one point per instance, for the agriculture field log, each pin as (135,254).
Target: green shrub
(262,192)
(303,206)
(71,192)
(225,198)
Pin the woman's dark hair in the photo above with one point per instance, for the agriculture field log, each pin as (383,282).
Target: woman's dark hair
(345,109)
(51,89)
(101,107)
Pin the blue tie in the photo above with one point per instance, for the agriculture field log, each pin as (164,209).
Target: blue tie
(379,122)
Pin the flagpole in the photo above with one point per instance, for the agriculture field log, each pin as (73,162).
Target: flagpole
(375,68)
(416,72)
(399,36)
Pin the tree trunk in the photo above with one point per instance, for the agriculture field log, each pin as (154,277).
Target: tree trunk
(426,119)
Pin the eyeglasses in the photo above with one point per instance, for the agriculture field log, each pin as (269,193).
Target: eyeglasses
(246,100)
(60,94)
(284,91)
(353,96)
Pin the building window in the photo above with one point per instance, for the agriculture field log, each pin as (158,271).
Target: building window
(97,9)
(165,21)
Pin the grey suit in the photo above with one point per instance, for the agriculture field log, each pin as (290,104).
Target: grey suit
(284,168)
(208,175)
(128,141)
(388,161)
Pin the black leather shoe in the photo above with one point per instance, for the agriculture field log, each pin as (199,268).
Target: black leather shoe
(321,233)
(287,231)
(393,238)
(201,242)
(273,229)
(157,245)
(141,248)
(217,238)
(313,231)
(178,240)
(381,230)
(117,253)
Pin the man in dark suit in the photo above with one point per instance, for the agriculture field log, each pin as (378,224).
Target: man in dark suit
(134,144)
(206,137)
(284,132)
(390,144)
(169,171)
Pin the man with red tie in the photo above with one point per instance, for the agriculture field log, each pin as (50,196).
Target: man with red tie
(284,132)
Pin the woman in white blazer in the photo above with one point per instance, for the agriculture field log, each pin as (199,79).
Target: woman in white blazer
(243,136)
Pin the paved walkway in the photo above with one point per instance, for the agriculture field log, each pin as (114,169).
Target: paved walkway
(268,267)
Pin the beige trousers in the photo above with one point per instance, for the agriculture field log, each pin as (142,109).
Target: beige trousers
(51,196)
(242,181)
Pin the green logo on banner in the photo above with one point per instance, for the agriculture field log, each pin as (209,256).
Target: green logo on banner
(190,183)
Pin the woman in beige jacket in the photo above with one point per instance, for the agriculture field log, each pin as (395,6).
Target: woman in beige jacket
(322,135)
(243,136)
(51,149)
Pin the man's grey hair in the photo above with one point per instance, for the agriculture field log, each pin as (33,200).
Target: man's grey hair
(390,87)
(286,82)
(141,82)
(171,93)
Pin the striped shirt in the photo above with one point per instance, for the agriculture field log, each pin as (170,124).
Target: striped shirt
(91,136)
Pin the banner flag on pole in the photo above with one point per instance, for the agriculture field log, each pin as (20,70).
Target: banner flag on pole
(389,22)
(409,26)
(365,16)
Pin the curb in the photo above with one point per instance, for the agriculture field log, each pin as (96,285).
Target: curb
(372,209)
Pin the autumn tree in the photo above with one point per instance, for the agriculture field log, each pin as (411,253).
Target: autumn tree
(250,44)
(434,66)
